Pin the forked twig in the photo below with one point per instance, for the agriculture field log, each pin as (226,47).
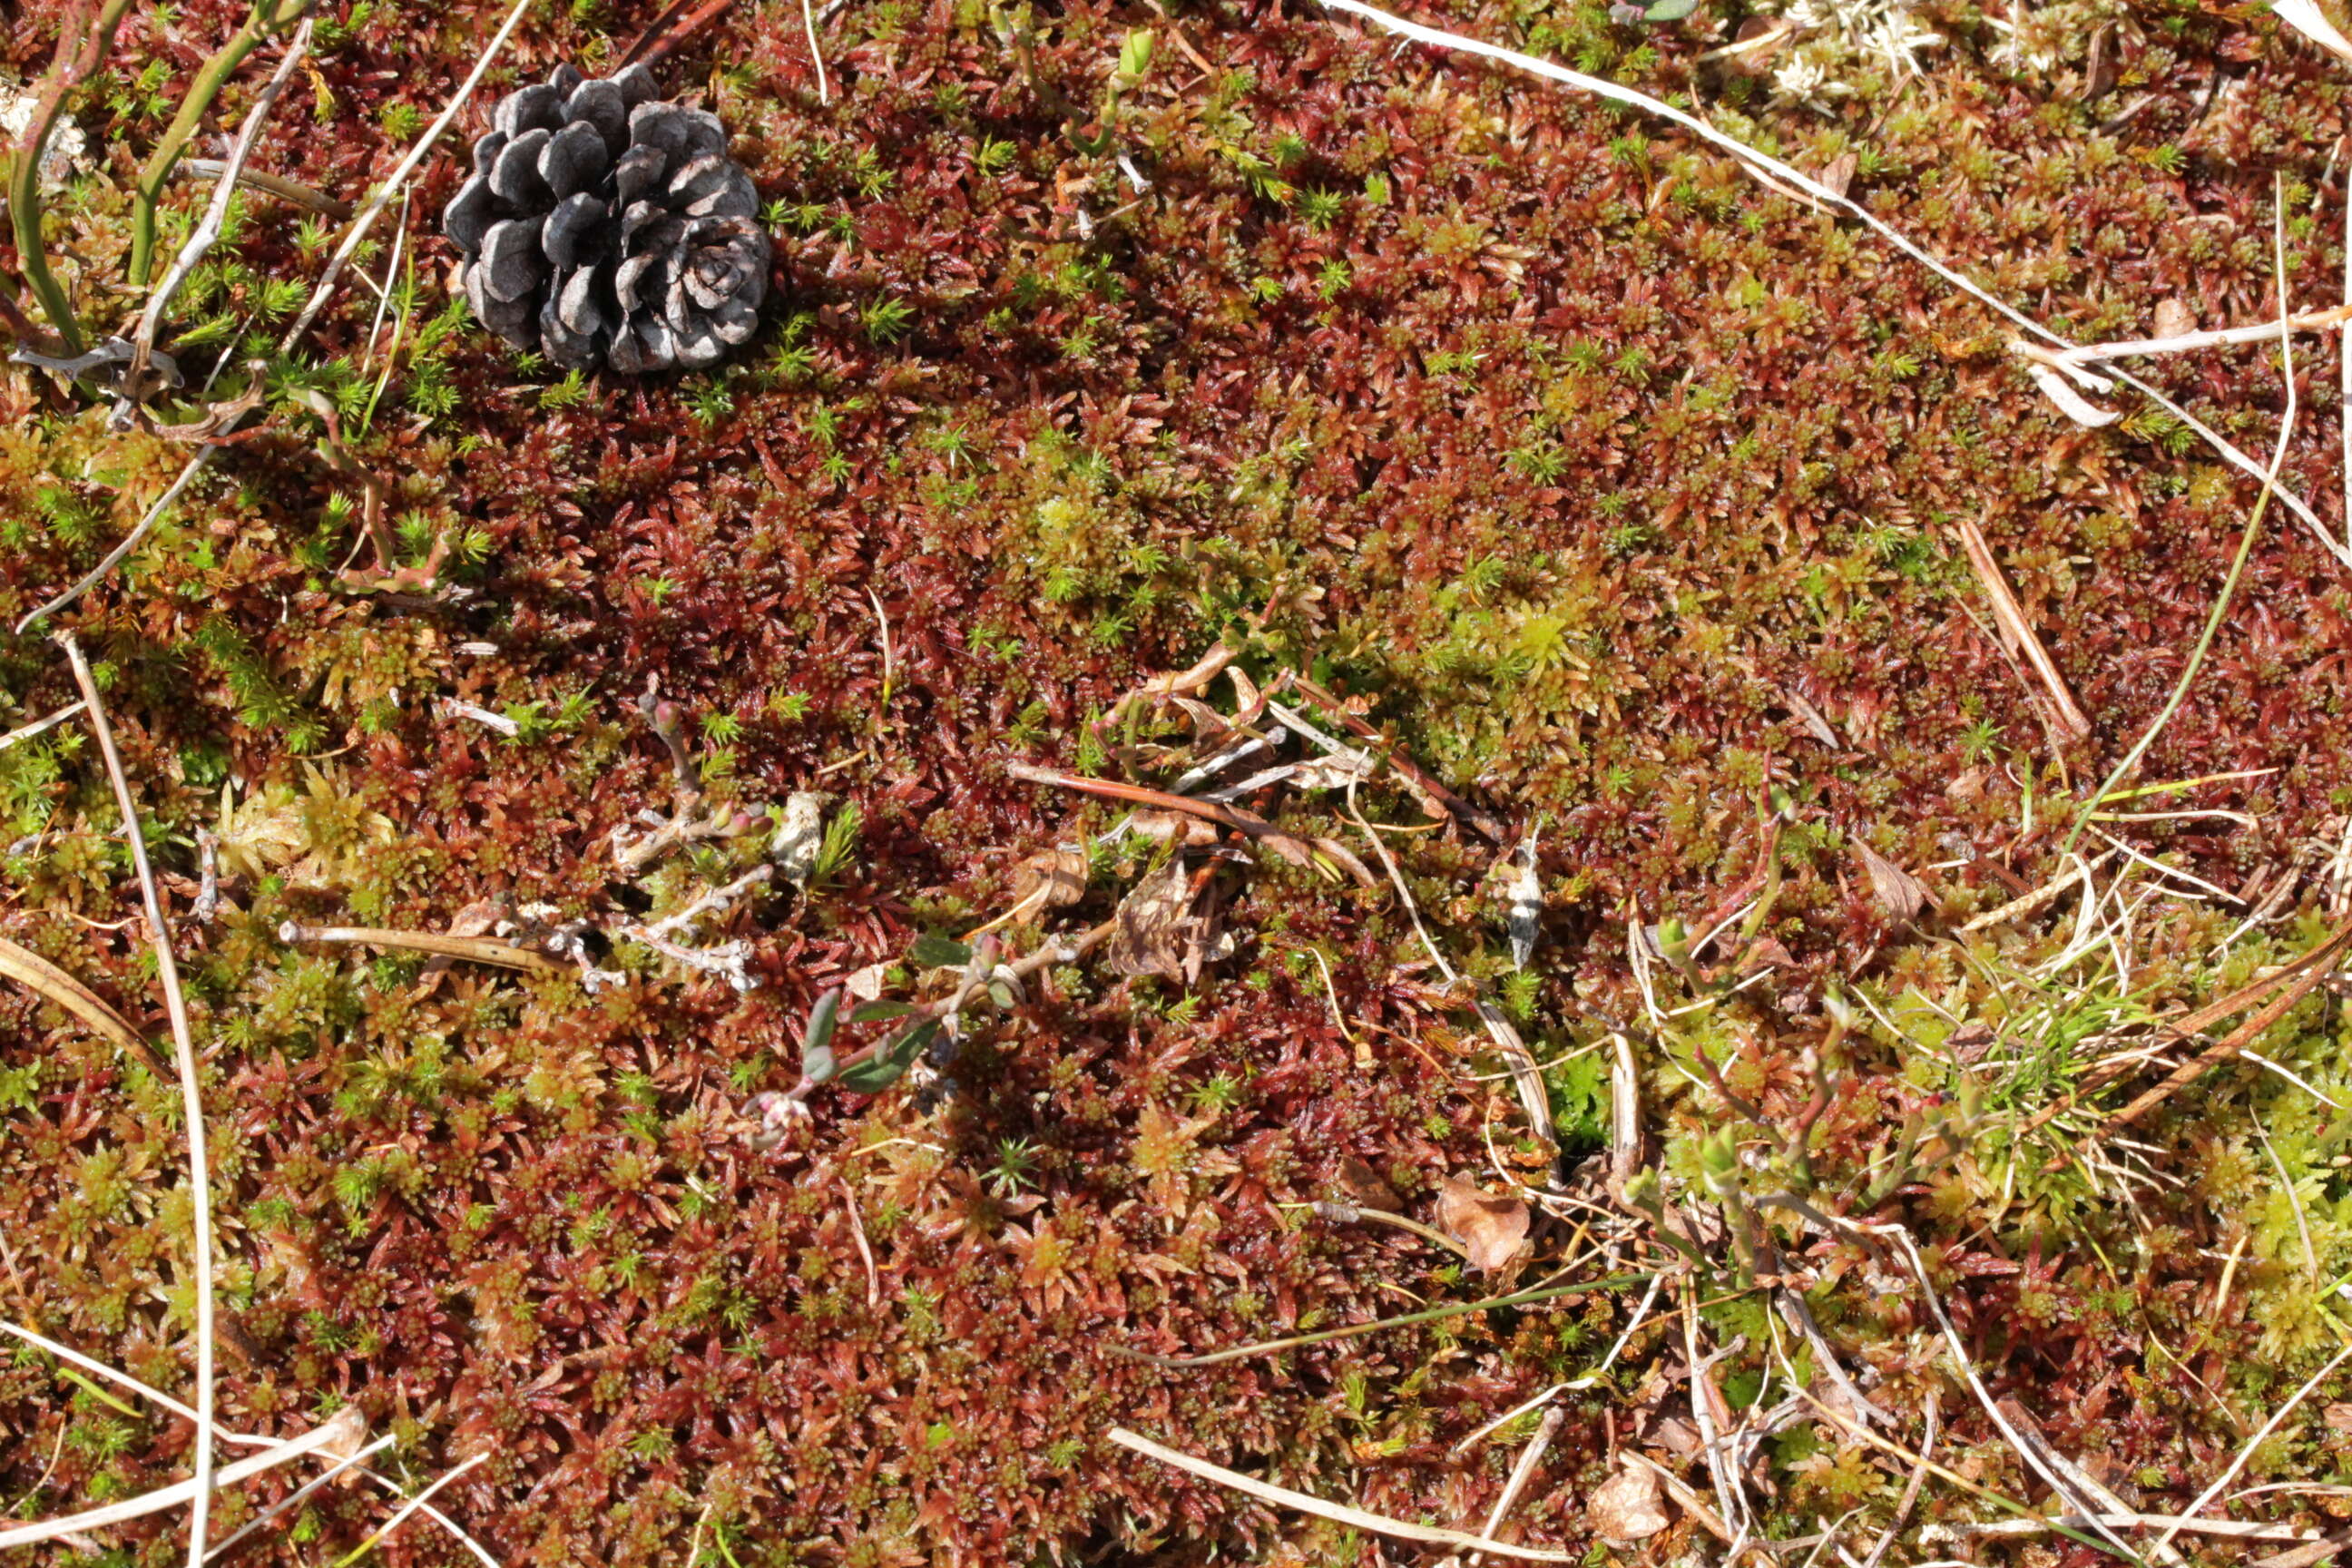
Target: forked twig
(175,1005)
(138,377)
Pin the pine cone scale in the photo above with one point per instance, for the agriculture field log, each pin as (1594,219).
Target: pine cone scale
(603,225)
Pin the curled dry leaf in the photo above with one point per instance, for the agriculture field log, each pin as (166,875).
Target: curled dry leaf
(1163,926)
(2071,403)
(1627,1508)
(1490,1228)
(1364,1188)
(1899,893)
(1050,879)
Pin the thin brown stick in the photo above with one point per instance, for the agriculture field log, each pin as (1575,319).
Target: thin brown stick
(2309,971)
(37,974)
(1239,821)
(480,949)
(662,48)
(670,13)
(1439,800)
(1338,1513)
(2018,630)
(175,1006)
(294,191)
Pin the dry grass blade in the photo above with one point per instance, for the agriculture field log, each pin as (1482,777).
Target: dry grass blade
(44,979)
(2253,528)
(130,542)
(408,1510)
(1910,1488)
(1338,1513)
(2056,1478)
(480,949)
(330,1434)
(39,726)
(2223,337)
(343,1464)
(1522,1472)
(175,1006)
(2278,1418)
(2307,974)
(2018,631)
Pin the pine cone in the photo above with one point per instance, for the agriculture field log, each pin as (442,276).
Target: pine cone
(604,226)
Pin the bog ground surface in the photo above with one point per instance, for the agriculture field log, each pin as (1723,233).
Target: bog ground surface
(1656,549)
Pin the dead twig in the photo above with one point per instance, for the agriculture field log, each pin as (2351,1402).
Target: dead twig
(1243,822)
(1434,797)
(1522,1472)
(273,185)
(1910,1488)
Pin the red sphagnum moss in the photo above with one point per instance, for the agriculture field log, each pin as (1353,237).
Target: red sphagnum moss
(1620,488)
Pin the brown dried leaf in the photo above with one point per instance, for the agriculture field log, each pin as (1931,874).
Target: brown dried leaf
(1052,877)
(1364,1187)
(1627,1506)
(1899,893)
(1970,1042)
(1838,172)
(1156,924)
(1490,1228)
(2174,318)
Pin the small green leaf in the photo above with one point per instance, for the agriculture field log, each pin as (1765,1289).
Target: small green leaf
(816,1051)
(1670,10)
(1002,994)
(886,1065)
(931,951)
(876,1012)
(1135,55)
